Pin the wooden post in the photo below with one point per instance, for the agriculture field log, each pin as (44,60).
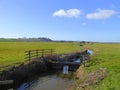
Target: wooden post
(51,51)
(6,82)
(88,57)
(29,55)
(84,60)
(36,53)
(42,52)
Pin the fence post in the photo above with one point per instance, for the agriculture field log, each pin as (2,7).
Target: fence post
(84,60)
(36,53)
(42,52)
(51,51)
(29,55)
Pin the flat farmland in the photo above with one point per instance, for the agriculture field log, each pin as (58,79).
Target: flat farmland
(105,56)
(13,52)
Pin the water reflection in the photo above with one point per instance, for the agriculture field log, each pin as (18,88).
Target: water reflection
(65,69)
(90,52)
(49,82)
(77,61)
(52,82)
(28,85)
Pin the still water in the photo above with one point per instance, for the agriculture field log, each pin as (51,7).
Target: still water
(49,82)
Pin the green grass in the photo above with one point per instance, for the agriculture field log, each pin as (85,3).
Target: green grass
(12,52)
(106,56)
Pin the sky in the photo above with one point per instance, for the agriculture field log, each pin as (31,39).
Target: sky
(77,20)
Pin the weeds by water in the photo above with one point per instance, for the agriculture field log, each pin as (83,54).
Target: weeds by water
(106,56)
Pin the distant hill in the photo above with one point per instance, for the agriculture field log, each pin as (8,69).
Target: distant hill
(40,39)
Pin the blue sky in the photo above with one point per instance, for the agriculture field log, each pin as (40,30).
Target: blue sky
(89,20)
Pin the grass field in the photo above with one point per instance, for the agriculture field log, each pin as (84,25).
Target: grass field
(12,52)
(105,56)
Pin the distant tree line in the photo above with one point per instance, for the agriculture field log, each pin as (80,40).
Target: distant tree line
(40,39)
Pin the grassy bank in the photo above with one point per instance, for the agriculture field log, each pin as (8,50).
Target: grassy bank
(107,57)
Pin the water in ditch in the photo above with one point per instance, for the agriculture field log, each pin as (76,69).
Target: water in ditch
(57,81)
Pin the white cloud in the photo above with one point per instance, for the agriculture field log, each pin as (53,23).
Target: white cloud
(68,13)
(101,14)
(61,12)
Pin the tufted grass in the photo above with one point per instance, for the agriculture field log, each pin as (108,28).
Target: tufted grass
(105,56)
